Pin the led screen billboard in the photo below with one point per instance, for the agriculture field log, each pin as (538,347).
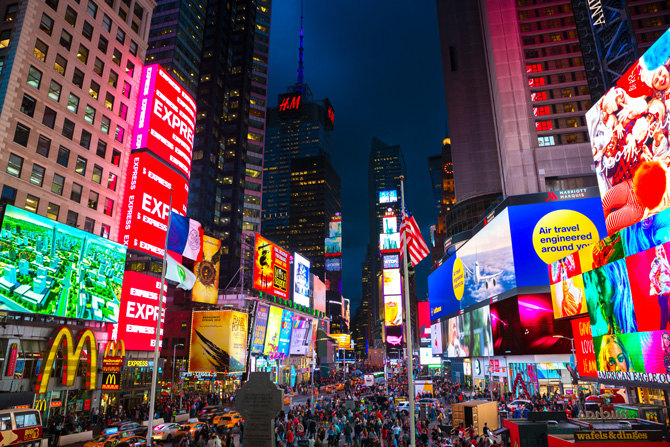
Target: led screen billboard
(423,320)
(139,311)
(482,337)
(333,264)
(285,333)
(301,335)
(260,327)
(271,265)
(206,287)
(584,350)
(165,119)
(53,269)
(437,338)
(389,224)
(301,280)
(389,243)
(441,281)
(392,310)
(392,283)
(628,140)
(272,332)
(393,337)
(218,342)
(506,327)
(333,246)
(459,336)
(391,261)
(343,340)
(149,185)
(388,196)
(426,357)
(539,329)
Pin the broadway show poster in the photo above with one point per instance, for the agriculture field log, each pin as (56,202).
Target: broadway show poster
(257,343)
(218,342)
(271,265)
(206,287)
(272,331)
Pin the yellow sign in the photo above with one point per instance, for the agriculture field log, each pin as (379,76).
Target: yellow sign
(458,279)
(112,361)
(65,341)
(343,340)
(562,232)
(206,287)
(110,381)
(138,363)
(272,331)
(40,405)
(218,341)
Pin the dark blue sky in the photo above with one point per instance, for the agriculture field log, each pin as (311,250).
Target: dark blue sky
(380,65)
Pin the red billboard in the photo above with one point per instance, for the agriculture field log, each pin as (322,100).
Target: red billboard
(424,322)
(584,351)
(271,265)
(165,120)
(139,311)
(147,203)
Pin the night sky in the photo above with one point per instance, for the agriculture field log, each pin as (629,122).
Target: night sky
(380,65)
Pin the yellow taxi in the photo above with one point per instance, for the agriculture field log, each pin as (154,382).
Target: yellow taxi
(134,441)
(339,387)
(329,388)
(189,429)
(287,398)
(99,441)
(229,420)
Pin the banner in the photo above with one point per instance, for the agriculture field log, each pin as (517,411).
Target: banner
(272,331)
(218,342)
(260,327)
(271,265)
(206,288)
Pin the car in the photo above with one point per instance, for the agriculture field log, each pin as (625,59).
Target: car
(519,403)
(188,429)
(208,413)
(128,427)
(165,432)
(134,441)
(99,441)
(403,407)
(287,398)
(229,420)
(428,401)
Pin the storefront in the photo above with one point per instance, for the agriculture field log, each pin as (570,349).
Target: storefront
(487,370)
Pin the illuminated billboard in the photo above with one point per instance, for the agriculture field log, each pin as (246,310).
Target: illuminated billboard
(271,265)
(51,268)
(260,326)
(272,332)
(218,342)
(301,335)
(426,357)
(389,243)
(343,340)
(389,224)
(206,287)
(319,297)
(285,333)
(165,120)
(459,336)
(423,320)
(301,280)
(392,310)
(482,338)
(436,338)
(388,196)
(289,102)
(333,264)
(393,337)
(584,350)
(392,283)
(334,240)
(139,311)
(391,261)
(629,143)
(149,185)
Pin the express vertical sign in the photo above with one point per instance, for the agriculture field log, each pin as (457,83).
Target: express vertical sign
(139,311)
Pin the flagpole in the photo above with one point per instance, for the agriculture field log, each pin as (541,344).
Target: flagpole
(408,326)
(154,373)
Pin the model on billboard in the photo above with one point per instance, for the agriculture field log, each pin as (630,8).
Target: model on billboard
(659,279)
(609,300)
(648,233)
(613,355)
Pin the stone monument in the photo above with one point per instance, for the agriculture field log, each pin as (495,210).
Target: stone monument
(259,401)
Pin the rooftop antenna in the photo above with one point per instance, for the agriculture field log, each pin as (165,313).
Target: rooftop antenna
(300,86)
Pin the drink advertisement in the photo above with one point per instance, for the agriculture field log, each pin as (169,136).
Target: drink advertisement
(392,310)
(218,342)
(272,331)
(392,282)
(258,342)
(271,265)
(206,287)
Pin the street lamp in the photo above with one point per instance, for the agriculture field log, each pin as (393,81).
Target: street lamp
(572,347)
(174,352)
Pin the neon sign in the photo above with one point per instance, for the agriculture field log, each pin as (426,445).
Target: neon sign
(289,102)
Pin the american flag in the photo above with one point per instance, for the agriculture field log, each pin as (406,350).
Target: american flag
(416,246)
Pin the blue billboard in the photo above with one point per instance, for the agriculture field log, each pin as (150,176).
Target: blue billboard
(284,345)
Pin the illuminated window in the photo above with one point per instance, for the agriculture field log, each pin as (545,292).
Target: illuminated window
(73,103)
(572,122)
(109,207)
(94,89)
(105,124)
(533,68)
(538,111)
(32,203)
(566,92)
(523,15)
(556,37)
(112,181)
(539,96)
(118,135)
(40,51)
(543,125)
(46,24)
(93,198)
(60,64)
(82,54)
(549,11)
(536,82)
(104,231)
(97,174)
(109,101)
(545,141)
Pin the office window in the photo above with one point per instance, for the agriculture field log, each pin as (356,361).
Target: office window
(92,9)
(102,44)
(15,165)
(49,118)
(123,14)
(572,122)
(112,180)
(43,146)
(65,40)
(97,174)
(87,31)
(133,45)
(41,50)
(54,90)
(116,157)
(113,78)
(52,211)
(57,184)
(94,90)
(10,12)
(98,66)
(75,194)
(73,103)
(82,54)
(109,207)
(104,231)
(53,4)
(120,36)
(109,101)
(120,132)
(101,151)
(566,92)
(107,23)
(89,225)
(80,167)
(32,203)
(60,65)
(28,105)
(105,124)
(21,134)
(46,24)
(5,35)
(68,129)
(34,77)
(72,218)
(78,78)
(93,198)
(37,175)
(543,125)
(8,196)
(71,16)
(123,111)
(63,156)
(126,89)
(545,141)
(116,57)
(89,116)
(85,140)
(130,68)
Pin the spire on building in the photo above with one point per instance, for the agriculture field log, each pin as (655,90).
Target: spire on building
(300,86)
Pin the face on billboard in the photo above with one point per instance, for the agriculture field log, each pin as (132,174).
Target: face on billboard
(139,311)
(390,224)
(54,269)
(459,336)
(506,327)
(436,335)
(147,208)
(392,283)
(389,243)
(273,330)
(392,310)
(218,341)
(646,234)
(285,332)
(628,140)
(482,338)
(271,268)
(258,342)
(602,252)
(301,279)
(619,353)
(165,121)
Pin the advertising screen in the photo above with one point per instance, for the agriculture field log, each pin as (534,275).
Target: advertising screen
(392,310)
(285,332)
(206,287)
(459,336)
(389,243)
(482,337)
(388,196)
(273,330)
(139,311)
(333,264)
(319,296)
(437,338)
(626,130)
(423,320)
(271,265)
(506,327)
(301,279)
(343,340)
(393,337)
(165,120)
(392,283)
(301,335)
(148,189)
(426,357)
(334,239)
(539,327)
(260,326)
(218,342)
(441,281)
(584,351)
(389,224)
(391,261)
(53,269)
(568,296)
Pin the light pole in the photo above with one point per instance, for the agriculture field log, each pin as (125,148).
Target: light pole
(572,347)
(174,352)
